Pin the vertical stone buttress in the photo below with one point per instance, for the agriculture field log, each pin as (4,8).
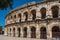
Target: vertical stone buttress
(37,31)
(12,31)
(49,33)
(48,12)
(38,14)
(28,32)
(29,14)
(16,31)
(21,32)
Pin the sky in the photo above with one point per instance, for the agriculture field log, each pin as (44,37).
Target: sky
(16,3)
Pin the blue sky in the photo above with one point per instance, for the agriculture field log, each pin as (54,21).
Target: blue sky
(16,3)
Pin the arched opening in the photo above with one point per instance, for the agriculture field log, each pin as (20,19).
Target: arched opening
(26,16)
(19,15)
(55,11)
(10,31)
(43,34)
(33,32)
(15,16)
(18,32)
(25,32)
(33,14)
(14,32)
(43,13)
(11,17)
(56,32)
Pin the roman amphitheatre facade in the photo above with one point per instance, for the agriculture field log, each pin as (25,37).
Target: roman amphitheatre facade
(34,20)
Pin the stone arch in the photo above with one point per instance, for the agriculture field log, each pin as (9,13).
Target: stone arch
(43,12)
(55,11)
(25,32)
(19,32)
(43,33)
(19,16)
(26,16)
(14,32)
(55,30)
(33,32)
(52,24)
(33,12)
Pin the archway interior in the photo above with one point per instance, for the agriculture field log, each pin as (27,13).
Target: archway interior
(43,13)
(43,33)
(19,15)
(33,32)
(18,32)
(25,32)
(10,31)
(26,16)
(14,32)
(56,32)
(55,11)
(33,14)
(15,16)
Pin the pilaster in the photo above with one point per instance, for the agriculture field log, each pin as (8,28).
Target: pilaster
(16,32)
(49,33)
(28,32)
(38,14)
(37,31)
(49,13)
(21,32)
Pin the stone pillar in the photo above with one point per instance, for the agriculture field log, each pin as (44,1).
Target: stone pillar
(8,31)
(22,18)
(49,33)
(12,32)
(49,13)
(38,14)
(16,32)
(21,32)
(29,15)
(37,31)
(28,32)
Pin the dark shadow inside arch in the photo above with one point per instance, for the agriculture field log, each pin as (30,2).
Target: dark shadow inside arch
(18,32)
(33,14)
(25,32)
(55,11)
(15,16)
(10,31)
(19,15)
(26,15)
(56,32)
(43,13)
(13,32)
(33,32)
(43,34)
